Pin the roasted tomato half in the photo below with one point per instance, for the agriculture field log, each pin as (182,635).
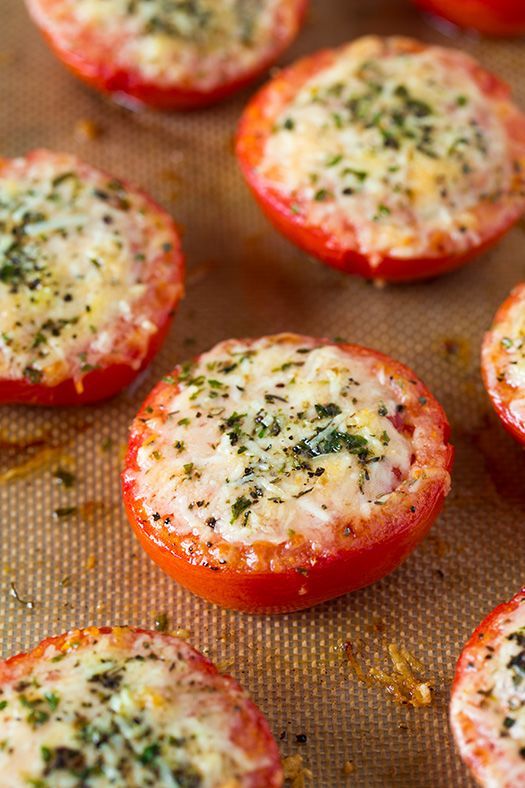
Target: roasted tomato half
(119,706)
(90,273)
(503,363)
(491,17)
(168,55)
(387,158)
(487,708)
(276,473)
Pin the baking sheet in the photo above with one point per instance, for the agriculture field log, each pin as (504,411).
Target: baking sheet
(243,279)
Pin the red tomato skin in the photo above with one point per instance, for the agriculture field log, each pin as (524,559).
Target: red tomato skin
(96,386)
(315,242)
(282,592)
(255,127)
(490,17)
(129,87)
(252,728)
(286,589)
(498,391)
(476,760)
(106,382)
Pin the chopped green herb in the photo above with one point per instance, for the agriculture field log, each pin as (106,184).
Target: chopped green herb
(382,210)
(161,622)
(65,511)
(241,504)
(321,195)
(53,700)
(331,442)
(333,160)
(327,411)
(64,477)
(33,375)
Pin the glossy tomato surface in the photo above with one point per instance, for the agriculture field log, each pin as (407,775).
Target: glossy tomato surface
(503,363)
(90,281)
(285,562)
(487,702)
(347,223)
(491,17)
(163,59)
(153,710)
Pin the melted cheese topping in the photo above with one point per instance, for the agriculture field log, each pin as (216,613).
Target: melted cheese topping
(75,247)
(200,43)
(392,153)
(270,440)
(491,696)
(504,356)
(122,712)
(510,335)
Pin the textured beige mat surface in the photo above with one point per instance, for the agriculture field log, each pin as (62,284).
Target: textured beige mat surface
(244,280)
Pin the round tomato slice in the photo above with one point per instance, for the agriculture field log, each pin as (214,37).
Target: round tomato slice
(503,363)
(276,473)
(168,55)
(386,157)
(91,271)
(120,706)
(491,17)
(487,708)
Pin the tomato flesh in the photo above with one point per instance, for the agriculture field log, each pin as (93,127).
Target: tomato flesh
(245,728)
(493,362)
(131,87)
(134,342)
(285,580)
(290,212)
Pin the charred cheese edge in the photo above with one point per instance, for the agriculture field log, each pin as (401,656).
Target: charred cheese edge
(488,702)
(198,44)
(76,251)
(505,354)
(273,440)
(393,152)
(123,709)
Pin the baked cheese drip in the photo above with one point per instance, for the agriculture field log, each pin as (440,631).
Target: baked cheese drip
(271,439)
(492,698)
(125,711)
(199,44)
(75,248)
(392,152)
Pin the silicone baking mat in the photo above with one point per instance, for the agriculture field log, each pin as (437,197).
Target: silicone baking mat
(84,567)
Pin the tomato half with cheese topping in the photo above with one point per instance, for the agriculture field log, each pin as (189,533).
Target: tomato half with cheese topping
(386,157)
(90,273)
(487,709)
(491,17)
(275,473)
(128,707)
(165,53)
(503,363)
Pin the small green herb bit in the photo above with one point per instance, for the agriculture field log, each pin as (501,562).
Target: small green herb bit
(327,411)
(331,442)
(64,477)
(161,622)
(241,504)
(65,511)
(149,753)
